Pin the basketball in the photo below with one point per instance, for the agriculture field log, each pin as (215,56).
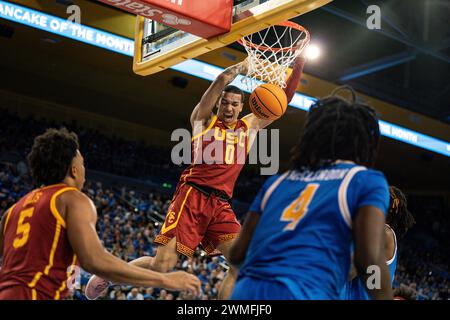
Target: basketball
(268,101)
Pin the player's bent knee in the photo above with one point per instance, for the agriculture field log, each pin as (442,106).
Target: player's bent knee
(165,260)
(143,262)
(164,265)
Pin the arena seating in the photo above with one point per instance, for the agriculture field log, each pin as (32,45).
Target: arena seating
(129,219)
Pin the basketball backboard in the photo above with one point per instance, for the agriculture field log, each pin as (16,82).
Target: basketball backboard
(158,47)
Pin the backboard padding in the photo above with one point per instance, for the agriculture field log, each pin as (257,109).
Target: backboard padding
(249,17)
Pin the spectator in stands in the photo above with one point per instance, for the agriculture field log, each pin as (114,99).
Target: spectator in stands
(127,218)
(134,294)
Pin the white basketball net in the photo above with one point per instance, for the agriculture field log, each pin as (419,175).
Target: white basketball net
(271,52)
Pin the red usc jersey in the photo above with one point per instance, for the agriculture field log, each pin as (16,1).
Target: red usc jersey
(36,252)
(218,156)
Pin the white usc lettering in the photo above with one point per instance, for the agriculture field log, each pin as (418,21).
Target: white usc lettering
(230,140)
(242,136)
(219,134)
(230,136)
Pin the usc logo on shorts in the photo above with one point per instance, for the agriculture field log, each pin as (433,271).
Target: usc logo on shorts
(171,217)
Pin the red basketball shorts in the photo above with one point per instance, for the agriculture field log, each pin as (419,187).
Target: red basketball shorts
(195,218)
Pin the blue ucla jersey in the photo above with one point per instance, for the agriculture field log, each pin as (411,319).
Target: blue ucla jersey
(355,290)
(303,238)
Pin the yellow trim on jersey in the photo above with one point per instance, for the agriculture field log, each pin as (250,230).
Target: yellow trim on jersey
(187,175)
(33,294)
(53,208)
(63,284)
(213,121)
(8,214)
(248,132)
(46,271)
(54,246)
(246,123)
(232,126)
(164,229)
(35,280)
(52,186)
(58,292)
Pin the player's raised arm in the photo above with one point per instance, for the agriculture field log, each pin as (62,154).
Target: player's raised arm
(295,77)
(81,217)
(290,89)
(202,112)
(369,236)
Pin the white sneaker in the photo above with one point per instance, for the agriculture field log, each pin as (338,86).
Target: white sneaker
(96,287)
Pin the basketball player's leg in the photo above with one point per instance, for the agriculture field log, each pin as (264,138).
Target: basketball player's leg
(228,282)
(165,259)
(219,238)
(145,262)
(172,240)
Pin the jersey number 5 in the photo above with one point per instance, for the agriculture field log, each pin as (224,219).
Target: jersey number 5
(298,208)
(23,228)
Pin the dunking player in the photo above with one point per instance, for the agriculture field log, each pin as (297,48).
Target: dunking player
(45,234)
(398,221)
(200,211)
(296,239)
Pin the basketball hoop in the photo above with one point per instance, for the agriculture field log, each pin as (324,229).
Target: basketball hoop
(272,51)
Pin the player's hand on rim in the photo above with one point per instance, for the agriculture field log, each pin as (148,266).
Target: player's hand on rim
(244,65)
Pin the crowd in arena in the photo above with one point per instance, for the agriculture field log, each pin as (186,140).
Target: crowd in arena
(128,220)
(109,153)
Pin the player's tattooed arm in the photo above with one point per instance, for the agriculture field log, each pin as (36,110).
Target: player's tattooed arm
(239,249)
(204,109)
(232,72)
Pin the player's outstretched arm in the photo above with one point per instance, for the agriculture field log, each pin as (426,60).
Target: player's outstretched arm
(291,87)
(369,237)
(81,217)
(295,77)
(202,112)
(239,249)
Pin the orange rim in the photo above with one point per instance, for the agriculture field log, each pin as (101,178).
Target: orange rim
(287,24)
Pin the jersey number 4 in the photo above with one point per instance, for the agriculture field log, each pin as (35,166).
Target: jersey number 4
(298,208)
